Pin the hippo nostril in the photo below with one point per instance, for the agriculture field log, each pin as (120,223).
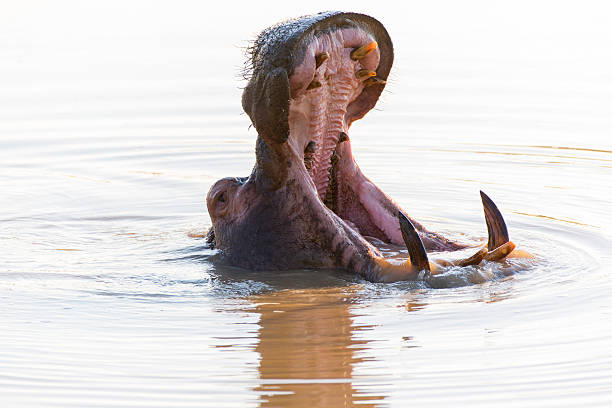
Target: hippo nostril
(222,198)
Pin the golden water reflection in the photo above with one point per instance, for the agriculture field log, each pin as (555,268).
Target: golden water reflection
(308,349)
(313,349)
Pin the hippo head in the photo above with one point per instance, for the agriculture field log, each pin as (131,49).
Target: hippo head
(306,202)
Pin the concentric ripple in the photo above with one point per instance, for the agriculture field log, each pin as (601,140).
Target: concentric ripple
(111,135)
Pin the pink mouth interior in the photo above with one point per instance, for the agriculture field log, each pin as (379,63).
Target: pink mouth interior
(320,114)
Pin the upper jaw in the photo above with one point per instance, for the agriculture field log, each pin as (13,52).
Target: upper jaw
(280,55)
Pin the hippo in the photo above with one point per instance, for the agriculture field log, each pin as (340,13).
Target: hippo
(306,203)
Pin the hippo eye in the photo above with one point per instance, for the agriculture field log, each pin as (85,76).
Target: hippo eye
(222,197)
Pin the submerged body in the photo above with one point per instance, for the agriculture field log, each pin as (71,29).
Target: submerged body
(307,203)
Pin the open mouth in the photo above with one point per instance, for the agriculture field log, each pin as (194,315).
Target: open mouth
(306,202)
(337,81)
(311,78)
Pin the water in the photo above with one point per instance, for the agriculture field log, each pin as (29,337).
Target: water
(116,118)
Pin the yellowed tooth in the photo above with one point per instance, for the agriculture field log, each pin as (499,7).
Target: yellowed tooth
(364,74)
(374,81)
(310,147)
(359,53)
(309,150)
(321,58)
(474,259)
(500,252)
(314,84)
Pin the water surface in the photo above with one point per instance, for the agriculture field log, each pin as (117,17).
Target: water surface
(115,120)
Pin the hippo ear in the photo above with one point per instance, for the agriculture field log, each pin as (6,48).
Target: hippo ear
(266,101)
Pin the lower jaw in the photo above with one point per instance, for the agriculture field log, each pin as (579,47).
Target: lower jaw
(345,197)
(357,216)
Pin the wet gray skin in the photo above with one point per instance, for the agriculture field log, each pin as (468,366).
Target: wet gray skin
(306,203)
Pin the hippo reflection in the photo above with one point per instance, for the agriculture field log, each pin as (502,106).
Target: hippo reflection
(306,203)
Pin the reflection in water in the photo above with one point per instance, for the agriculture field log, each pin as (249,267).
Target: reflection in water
(414,301)
(110,139)
(308,350)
